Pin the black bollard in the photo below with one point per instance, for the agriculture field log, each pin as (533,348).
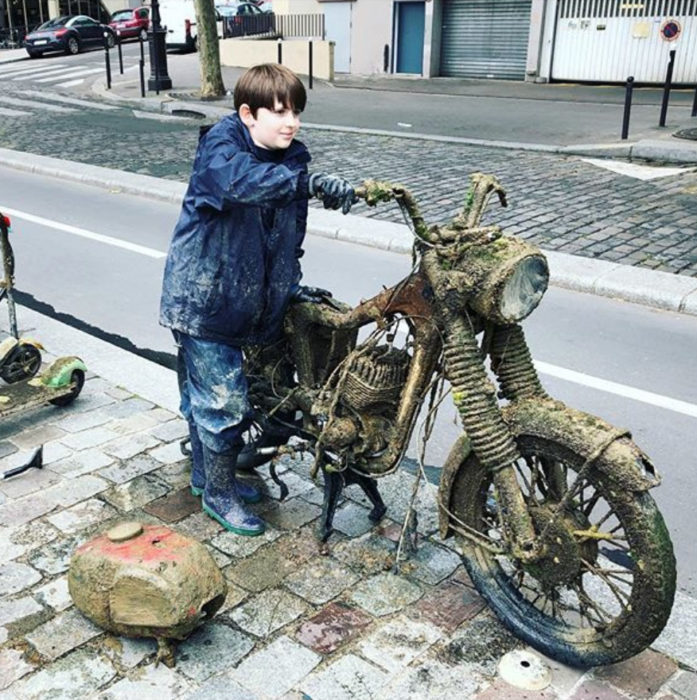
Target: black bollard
(141,67)
(118,44)
(107,61)
(386,58)
(627,107)
(309,60)
(280,52)
(666,88)
(694,105)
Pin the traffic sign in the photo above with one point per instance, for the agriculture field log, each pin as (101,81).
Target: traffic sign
(670,30)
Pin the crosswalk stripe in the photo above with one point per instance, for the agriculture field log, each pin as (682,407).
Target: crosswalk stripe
(28,72)
(26,67)
(74,74)
(38,105)
(33,76)
(71,83)
(67,100)
(13,112)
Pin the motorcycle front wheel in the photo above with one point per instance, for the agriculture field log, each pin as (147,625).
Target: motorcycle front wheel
(604,587)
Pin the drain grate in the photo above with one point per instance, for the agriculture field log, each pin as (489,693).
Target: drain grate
(690,134)
(189,113)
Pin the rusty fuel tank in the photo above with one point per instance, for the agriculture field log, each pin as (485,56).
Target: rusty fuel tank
(146,581)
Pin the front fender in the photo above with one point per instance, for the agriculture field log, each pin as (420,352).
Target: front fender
(60,372)
(621,460)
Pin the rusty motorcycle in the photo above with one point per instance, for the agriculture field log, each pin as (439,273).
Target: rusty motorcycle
(550,506)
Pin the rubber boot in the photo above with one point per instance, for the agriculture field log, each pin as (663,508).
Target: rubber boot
(198,476)
(221,498)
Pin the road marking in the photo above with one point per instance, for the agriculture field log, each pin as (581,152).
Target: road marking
(639,172)
(13,112)
(36,105)
(84,233)
(623,390)
(26,78)
(71,83)
(72,74)
(6,73)
(68,100)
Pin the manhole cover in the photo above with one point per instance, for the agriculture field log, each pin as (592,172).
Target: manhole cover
(523,669)
(690,134)
(188,113)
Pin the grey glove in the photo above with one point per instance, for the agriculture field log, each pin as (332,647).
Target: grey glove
(314,295)
(334,191)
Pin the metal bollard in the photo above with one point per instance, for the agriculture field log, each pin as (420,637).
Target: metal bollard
(107,61)
(386,59)
(694,105)
(627,107)
(280,52)
(309,60)
(118,44)
(141,67)
(666,88)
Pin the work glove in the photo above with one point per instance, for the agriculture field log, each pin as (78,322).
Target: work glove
(334,191)
(314,295)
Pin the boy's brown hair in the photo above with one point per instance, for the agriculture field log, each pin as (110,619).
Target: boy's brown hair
(262,85)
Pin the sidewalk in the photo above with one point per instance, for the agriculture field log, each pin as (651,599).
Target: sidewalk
(296,623)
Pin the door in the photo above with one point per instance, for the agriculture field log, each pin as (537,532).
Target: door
(337,22)
(485,38)
(410,37)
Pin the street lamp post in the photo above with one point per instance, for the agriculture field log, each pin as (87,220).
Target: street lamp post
(158,80)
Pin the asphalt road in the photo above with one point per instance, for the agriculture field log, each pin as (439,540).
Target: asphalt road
(116,289)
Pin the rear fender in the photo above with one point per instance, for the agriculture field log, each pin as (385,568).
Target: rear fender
(59,374)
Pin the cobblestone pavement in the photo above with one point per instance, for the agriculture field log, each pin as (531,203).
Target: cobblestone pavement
(296,623)
(561,203)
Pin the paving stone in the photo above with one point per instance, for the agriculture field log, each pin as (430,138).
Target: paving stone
(201,527)
(83,462)
(222,560)
(396,643)
(162,415)
(274,670)
(71,491)
(53,452)
(175,506)
(130,445)
(14,610)
(685,685)
(82,421)
(3,635)
(89,401)
(81,516)
(676,640)
(396,491)
(235,595)
(385,593)
(148,682)
(93,437)
(433,680)
(30,439)
(6,448)
(167,454)
(12,667)
(352,520)
(268,611)
(220,687)
(118,393)
(64,632)
(564,678)
(368,555)
(127,652)
(130,468)
(24,510)
(138,422)
(289,515)
(239,547)
(126,408)
(500,689)
(595,690)
(448,606)
(55,557)
(641,676)
(172,430)
(15,577)
(349,678)
(333,626)
(320,580)
(78,674)
(211,649)
(31,535)
(430,563)
(29,482)
(135,493)
(296,486)
(177,475)
(55,594)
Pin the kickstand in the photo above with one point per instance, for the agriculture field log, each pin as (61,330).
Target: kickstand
(409,535)
(36,461)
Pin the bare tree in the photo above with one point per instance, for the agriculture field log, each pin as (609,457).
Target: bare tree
(208,51)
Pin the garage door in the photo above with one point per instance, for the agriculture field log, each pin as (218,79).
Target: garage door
(485,38)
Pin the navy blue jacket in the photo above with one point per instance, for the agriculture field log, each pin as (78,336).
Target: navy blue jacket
(233,259)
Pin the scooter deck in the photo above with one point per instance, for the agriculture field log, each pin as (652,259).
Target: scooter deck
(24,396)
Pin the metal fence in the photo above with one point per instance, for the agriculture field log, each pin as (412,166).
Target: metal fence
(273,25)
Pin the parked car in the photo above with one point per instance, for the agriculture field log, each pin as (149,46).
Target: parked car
(70,33)
(179,19)
(131,23)
(249,19)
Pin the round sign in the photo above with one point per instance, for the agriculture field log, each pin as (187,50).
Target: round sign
(670,30)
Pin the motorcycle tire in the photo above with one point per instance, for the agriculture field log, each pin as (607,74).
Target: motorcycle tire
(594,600)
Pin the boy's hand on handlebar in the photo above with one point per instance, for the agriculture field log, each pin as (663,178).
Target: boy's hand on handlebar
(314,295)
(334,191)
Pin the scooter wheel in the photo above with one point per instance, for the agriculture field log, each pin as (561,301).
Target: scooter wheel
(77,378)
(24,362)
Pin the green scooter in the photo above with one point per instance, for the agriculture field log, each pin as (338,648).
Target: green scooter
(20,358)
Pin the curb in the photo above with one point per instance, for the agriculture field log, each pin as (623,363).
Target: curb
(661,290)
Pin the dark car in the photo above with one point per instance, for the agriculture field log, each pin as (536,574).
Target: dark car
(70,34)
(131,23)
(249,19)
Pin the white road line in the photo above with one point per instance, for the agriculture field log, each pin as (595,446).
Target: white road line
(71,83)
(35,105)
(623,390)
(46,95)
(84,233)
(73,74)
(14,112)
(9,72)
(36,73)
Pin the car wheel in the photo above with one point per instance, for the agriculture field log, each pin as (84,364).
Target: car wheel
(110,40)
(34,54)
(73,46)
(143,34)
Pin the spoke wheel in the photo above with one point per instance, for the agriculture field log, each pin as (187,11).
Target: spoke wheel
(73,46)
(23,363)
(603,589)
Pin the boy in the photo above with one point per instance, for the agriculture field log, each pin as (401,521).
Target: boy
(233,267)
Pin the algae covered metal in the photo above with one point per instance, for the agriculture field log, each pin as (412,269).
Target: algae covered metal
(146,581)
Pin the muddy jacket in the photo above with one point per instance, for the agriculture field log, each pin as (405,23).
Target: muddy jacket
(234,254)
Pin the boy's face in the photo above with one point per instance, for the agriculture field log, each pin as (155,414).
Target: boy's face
(271,128)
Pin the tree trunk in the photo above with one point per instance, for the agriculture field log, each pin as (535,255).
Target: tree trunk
(208,51)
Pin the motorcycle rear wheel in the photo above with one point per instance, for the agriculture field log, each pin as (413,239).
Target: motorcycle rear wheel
(594,599)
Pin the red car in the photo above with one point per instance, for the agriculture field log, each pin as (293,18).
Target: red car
(131,23)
